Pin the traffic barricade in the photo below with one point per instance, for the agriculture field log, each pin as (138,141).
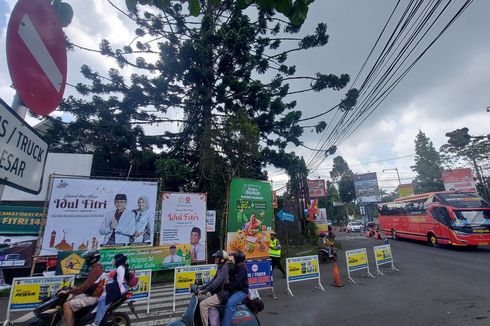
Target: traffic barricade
(357,260)
(302,269)
(383,256)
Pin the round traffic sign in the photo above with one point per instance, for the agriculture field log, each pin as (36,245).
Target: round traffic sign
(36,55)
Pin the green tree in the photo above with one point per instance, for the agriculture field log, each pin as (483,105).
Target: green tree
(475,152)
(206,79)
(428,164)
(339,169)
(344,177)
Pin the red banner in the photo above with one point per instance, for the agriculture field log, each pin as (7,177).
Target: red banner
(459,180)
(316,188)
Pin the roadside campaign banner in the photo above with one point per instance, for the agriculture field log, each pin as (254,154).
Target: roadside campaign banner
(150,258)
(459,180)
(321,221)
(183,228)
(259,274)
(28,292)
(249,218)
(20,219)
(17,251)
(367,190)
(90,213)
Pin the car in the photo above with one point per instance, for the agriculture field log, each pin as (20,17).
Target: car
(354,226)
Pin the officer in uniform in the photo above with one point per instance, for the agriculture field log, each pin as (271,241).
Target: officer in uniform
(275,253)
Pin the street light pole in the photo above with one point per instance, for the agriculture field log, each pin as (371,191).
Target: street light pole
(398,174)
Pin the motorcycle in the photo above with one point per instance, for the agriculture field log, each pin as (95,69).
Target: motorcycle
(243,316)
(325,257)
(50,313)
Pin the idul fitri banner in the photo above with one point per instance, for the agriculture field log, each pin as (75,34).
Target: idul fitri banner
(249,217)
(86,214)
(183,228)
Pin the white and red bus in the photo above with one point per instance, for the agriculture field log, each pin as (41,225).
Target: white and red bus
(453,218)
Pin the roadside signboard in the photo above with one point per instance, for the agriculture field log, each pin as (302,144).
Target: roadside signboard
(274,199)
(317,188)
(250,216)
(142,291)
(28,292)
(321,221)
(459,180)
(17,251)
(382,255)
(36,55)
(405,189)
(23,153)
(20,219)
(259,274)
(302,269)
(284,216)
(357,260)
(367,190)
(210,221)
(184,277)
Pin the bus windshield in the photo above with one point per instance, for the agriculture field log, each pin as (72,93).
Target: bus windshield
(462,200)
(467,217)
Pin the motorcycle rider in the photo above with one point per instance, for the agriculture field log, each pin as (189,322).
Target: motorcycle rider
(237,285)
(327,243)
(215,287)
(89,292)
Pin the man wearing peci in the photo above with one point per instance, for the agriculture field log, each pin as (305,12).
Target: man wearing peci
(173,257)
(118,227)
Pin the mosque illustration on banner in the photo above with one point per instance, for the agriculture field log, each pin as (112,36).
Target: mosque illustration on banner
(65,246)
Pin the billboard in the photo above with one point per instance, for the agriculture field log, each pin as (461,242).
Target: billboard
(17,251)
(366,185)
(183,225)
(405,190)
(459,180)
(91,213)
(20,219)
(249,217)
(56,163)
(317,188)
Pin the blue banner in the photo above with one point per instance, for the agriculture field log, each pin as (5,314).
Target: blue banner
(259,274)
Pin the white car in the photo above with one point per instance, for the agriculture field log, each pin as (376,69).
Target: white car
(354,226)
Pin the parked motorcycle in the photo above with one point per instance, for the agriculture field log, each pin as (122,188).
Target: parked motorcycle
(243,316)
(50,313)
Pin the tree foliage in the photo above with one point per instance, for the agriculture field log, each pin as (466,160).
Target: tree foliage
(343,175)
(428,164)
(207,81)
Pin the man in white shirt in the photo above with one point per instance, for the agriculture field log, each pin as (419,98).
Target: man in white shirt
(173,257)
(118,227)
(197,249)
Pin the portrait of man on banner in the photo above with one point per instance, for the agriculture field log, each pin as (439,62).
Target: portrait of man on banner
(120,226)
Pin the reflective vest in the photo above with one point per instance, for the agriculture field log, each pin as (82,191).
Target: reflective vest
(274,252)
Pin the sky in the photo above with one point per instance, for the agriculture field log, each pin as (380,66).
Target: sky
(445,90)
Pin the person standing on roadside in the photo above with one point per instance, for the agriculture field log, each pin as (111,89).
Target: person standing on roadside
(275,253)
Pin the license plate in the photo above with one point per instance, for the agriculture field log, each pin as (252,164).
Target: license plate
(483,243)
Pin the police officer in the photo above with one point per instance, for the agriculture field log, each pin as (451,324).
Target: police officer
(275,253)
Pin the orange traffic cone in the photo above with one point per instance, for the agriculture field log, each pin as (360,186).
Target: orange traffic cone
(337,281)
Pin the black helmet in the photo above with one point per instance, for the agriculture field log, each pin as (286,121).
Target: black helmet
(239,257)
(120,259)
(91,257)
(322,235)
(221,254)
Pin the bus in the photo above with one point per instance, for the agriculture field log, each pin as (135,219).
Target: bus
(440,218)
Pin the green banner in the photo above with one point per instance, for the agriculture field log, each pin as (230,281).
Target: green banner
(20,219)
(149,258)
(250,217)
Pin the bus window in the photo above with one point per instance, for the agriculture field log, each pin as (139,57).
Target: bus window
(441,215)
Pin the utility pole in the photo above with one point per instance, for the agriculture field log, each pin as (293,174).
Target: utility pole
(398,174)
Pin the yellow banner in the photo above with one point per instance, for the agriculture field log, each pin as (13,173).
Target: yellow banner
(186,276)
(383,254)
(302,268)
(28,292)
(356,259)
(142,290)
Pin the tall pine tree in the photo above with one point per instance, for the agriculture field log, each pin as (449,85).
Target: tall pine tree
(428,165)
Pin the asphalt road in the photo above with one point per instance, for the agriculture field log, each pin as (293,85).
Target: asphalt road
(435,286)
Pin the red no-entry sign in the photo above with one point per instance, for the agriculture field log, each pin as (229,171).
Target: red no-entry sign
(36,55)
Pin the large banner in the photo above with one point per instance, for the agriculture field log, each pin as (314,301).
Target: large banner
(183,227)
(150,258)
(317,188)
(367,190)
(89,214)
(459,180)
(20,219)
(17,252)
(249,217)
(28,292)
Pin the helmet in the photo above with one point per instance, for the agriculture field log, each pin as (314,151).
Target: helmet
(120,259)
(239,257)
(322,235)
(91,257)
(221,254)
